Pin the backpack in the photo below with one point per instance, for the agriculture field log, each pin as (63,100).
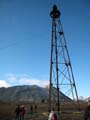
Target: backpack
(54,117)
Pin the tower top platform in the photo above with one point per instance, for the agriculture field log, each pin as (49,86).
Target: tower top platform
(55,13)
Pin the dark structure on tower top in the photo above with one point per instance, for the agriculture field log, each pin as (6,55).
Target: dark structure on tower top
(55,13)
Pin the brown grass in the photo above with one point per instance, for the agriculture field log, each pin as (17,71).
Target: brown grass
(67,112)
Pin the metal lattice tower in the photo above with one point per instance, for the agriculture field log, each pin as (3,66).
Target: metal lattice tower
(61,74)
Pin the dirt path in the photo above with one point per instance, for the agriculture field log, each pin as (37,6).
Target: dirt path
(36,116)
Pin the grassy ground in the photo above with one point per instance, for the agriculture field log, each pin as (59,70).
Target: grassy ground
(67,112)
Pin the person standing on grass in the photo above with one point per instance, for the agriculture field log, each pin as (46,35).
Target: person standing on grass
(87,112)
(35,108)
(17,112)
(53,115)
(31,109)
(22,113)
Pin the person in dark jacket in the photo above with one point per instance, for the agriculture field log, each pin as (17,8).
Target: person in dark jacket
(31,109)
(87,112)
(35,108)
(17,112)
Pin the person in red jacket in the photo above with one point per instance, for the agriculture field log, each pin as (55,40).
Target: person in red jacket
(22,113)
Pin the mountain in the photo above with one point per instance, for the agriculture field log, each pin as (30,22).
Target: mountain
(28,93)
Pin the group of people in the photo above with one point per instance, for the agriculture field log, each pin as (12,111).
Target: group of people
(19,111)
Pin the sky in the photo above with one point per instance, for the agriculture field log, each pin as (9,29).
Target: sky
(25,37)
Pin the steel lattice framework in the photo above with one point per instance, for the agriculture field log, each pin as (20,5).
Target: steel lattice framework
(61,74)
